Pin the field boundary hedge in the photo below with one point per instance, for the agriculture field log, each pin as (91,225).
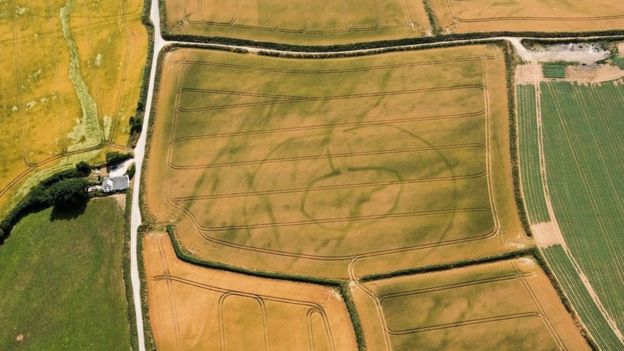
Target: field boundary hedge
(374,44)
(126,271)
(510,67)
(150,344)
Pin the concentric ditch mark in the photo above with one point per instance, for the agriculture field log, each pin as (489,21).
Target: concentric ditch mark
(205,232)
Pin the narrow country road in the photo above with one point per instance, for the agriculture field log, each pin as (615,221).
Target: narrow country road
(139,155)
(139,151)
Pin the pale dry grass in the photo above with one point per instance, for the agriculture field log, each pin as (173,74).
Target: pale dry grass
(40,110)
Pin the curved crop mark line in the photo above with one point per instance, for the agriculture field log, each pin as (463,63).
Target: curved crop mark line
(221,322)
(171,294)
(488,152)
(343,219)
(207,237)
(336,70)
(260,298)
(317,156)
(236,292)
(262,306)
(299,99)
(212,239)
(310,329)
(538,306)
(328,332)
(327,187)
(509,277)
(526,18)
(373,297)
(466,323)
(333,125)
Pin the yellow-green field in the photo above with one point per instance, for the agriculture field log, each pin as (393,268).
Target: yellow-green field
(71,79)
(310,167)
(299,21)
(508,305)
(461,16)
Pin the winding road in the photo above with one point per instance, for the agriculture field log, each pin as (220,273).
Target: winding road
(139,151)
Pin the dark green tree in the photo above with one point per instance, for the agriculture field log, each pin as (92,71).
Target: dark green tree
(115,157)
(69,192)
(83,168)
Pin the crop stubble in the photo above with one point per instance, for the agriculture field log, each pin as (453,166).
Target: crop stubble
(498,306)
(301,166)
(461,16)
(193,307)
(299,21)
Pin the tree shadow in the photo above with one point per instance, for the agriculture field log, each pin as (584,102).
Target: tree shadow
(68,212)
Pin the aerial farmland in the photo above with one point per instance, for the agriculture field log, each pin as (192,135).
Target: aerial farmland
(312,175)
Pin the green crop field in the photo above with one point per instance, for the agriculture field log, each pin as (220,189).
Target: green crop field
(585,163)
(61,281)
(298,21)
(554,70)
(580,299)
(302,166)
(532,185)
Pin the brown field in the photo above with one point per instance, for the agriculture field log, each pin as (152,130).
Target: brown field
(197,308)
(298,21)
(71,78)
(461,16)
(508,305)
(310,167)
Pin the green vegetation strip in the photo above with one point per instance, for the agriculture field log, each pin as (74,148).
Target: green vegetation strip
(510,69)
(62,281)
(584,305)
(585,163)
(88,132)
(532,185)
(554,70)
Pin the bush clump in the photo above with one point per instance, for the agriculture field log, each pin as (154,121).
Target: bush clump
(115,157)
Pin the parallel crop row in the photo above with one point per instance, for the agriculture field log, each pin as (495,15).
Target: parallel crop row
(529,156)
(581,300)
(585,162)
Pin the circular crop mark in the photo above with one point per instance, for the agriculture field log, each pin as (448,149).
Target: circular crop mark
(344,180)
(325,199)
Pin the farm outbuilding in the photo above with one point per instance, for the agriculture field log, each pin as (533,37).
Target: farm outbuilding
(112,184)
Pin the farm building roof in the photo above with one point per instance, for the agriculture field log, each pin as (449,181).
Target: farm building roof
(115,183)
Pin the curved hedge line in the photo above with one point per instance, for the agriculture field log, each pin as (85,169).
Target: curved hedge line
(564,36)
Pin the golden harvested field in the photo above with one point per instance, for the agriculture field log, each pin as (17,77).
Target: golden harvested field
(299,21)
(71,78)
(196,308)
(461,16)
(507,305)
(312,167)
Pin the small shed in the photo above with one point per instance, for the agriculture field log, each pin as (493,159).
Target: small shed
(113,184)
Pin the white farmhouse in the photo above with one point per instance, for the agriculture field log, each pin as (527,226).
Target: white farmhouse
(112,184)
